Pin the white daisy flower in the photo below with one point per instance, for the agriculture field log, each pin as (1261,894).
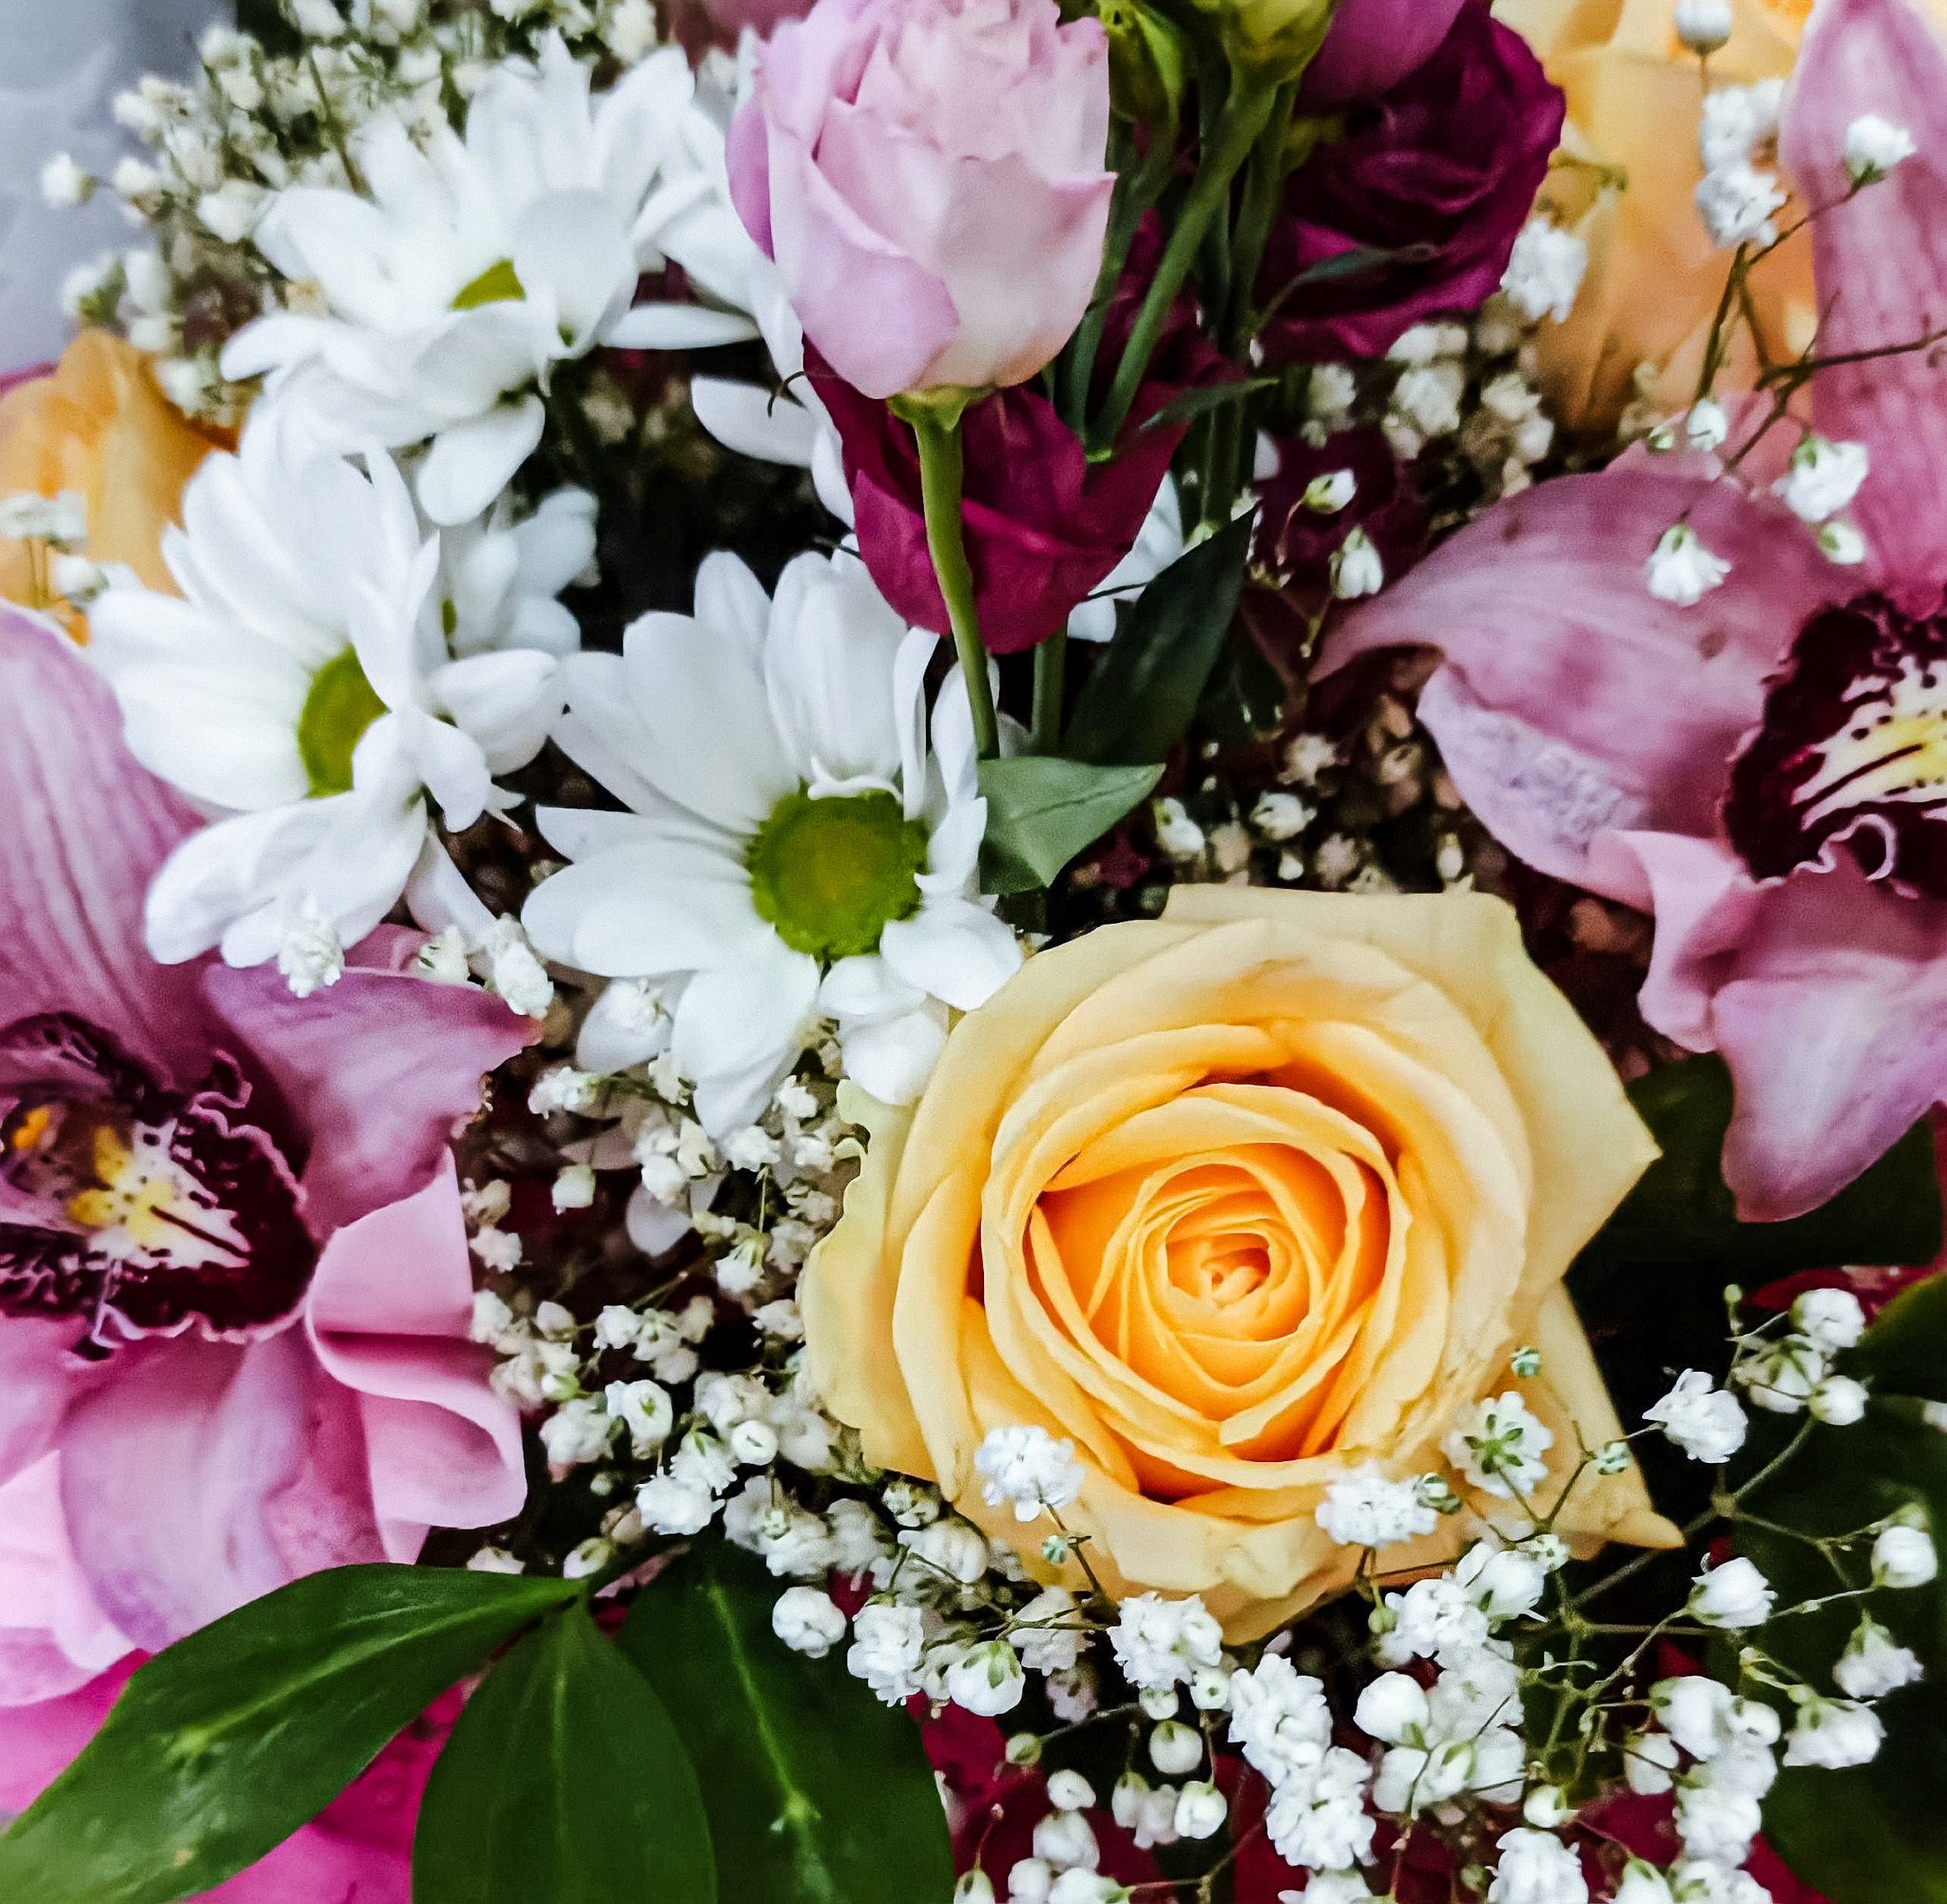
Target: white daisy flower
(792,848)
(468,267)
(314,684)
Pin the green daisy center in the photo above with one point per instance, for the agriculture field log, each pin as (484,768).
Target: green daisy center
(495,285)
(336,712)
(831,875)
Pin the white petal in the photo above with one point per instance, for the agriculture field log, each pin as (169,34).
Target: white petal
(747,419)
(712,746)
(619,1033)
(731,601)
(471,463)
(829,665)
(916,650)
(439,896)
(641,910)
(676,327)
(739,1029)
(866,988)
(955,949)
(892,1059)
(508,703)
(570,246)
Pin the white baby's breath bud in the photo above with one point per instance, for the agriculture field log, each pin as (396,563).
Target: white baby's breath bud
(1833,1734)
(1028,1470)
(1707,424)
(970,1887)
(1703,26)
(444,957)
(1526,1363)
(808,1620)
(754,1443)
(1873,146)
(1068,1790)
(1831,1320)
(232,210)
(1612,1457)
(1175,1748)
(1328,494)
(316,19)
(309,955)
(1733,1596)
(1841,544)
(1681,569)
(494,1560)
(1707,1423)
(1903,1556)
(1736,202)
(987,1679)
(1023,1749)
(591,1556)
(518,975)
(1545,271)
(63,183)
(1546,1807)
(1160,1701)
(574,1187)
(1357,569)
(1201,1811)
(1837,1401)
(1177,834)
(1823,477)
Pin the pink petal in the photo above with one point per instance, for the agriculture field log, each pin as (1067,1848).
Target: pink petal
(1372,46)
(1882,267)
(388,1314)
(204,1475)
(1573,701)
(380,1068)
(53,1635)
(39,1741)
(84,827)
(1834,1023)
(38,1381)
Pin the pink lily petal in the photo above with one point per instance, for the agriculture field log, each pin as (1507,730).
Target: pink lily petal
(380,1068)
(39,1741)
(85,829)
(1882,267)
(441,1447)
(1572,701)
(1834,1023)
(53,1635)
(205,1474)
(38,1381)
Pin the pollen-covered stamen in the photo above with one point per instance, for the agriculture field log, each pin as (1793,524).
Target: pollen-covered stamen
(1854,748)
(149,1217)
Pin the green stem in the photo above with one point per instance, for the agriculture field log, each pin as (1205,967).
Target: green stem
(1263,186)
(1244,115)
(1051,677)
(940,489)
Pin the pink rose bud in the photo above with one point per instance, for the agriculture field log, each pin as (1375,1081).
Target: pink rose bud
(928,175)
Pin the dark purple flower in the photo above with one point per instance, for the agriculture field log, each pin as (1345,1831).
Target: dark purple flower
(1371,47)
(1412,213)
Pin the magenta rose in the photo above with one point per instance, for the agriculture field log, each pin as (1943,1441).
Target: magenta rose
(1372,46)
(928,175)
(1434,180)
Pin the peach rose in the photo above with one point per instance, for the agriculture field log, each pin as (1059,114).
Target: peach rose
(1237,1200)
(99,426)
(1654,277)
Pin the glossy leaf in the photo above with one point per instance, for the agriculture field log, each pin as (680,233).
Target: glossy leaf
(222,1746)
(1140,699)
(1681,1213)
(564,1782)
(1042,812)
(817,1793)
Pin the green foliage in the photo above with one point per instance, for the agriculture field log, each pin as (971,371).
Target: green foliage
(221,1747)
(1878,1831)
(817,1793)
(1042,812)
(1140,699)
(564,1782)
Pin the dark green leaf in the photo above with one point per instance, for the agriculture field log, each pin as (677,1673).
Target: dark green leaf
(1042,812)
(1876,1832)
(1681,1213)
(1137,703)
(1905,1350)
(221,1747)
(1203,398)
(817,1793)
(564,1782)
(1244,698)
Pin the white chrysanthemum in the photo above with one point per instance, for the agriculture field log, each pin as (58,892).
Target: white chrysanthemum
(315,686)
(792,848)
(468,267)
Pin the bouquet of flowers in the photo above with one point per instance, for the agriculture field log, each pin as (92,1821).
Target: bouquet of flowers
(983,950)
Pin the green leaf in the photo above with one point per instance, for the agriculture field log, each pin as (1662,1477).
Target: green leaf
(564,1782)
(1875,1832)
(1905,1350)
(1042,812)
(1137,703)
(817,1793)
(221,1747)
(1680,1212)
(1201,400)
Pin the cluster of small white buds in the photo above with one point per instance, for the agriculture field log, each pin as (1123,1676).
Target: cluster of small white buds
(1028,1470)
(1873,146)
(1681,569)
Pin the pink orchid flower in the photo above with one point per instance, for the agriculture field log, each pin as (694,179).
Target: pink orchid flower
(1767,771)
(234,1285)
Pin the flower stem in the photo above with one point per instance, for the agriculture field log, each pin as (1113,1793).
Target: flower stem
(1244,115)
(940,471)
(1050,677)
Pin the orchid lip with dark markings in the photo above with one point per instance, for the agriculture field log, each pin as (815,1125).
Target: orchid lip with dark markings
(150,1212)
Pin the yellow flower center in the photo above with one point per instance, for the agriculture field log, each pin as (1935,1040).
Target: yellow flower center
(336,712)
(830,874)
